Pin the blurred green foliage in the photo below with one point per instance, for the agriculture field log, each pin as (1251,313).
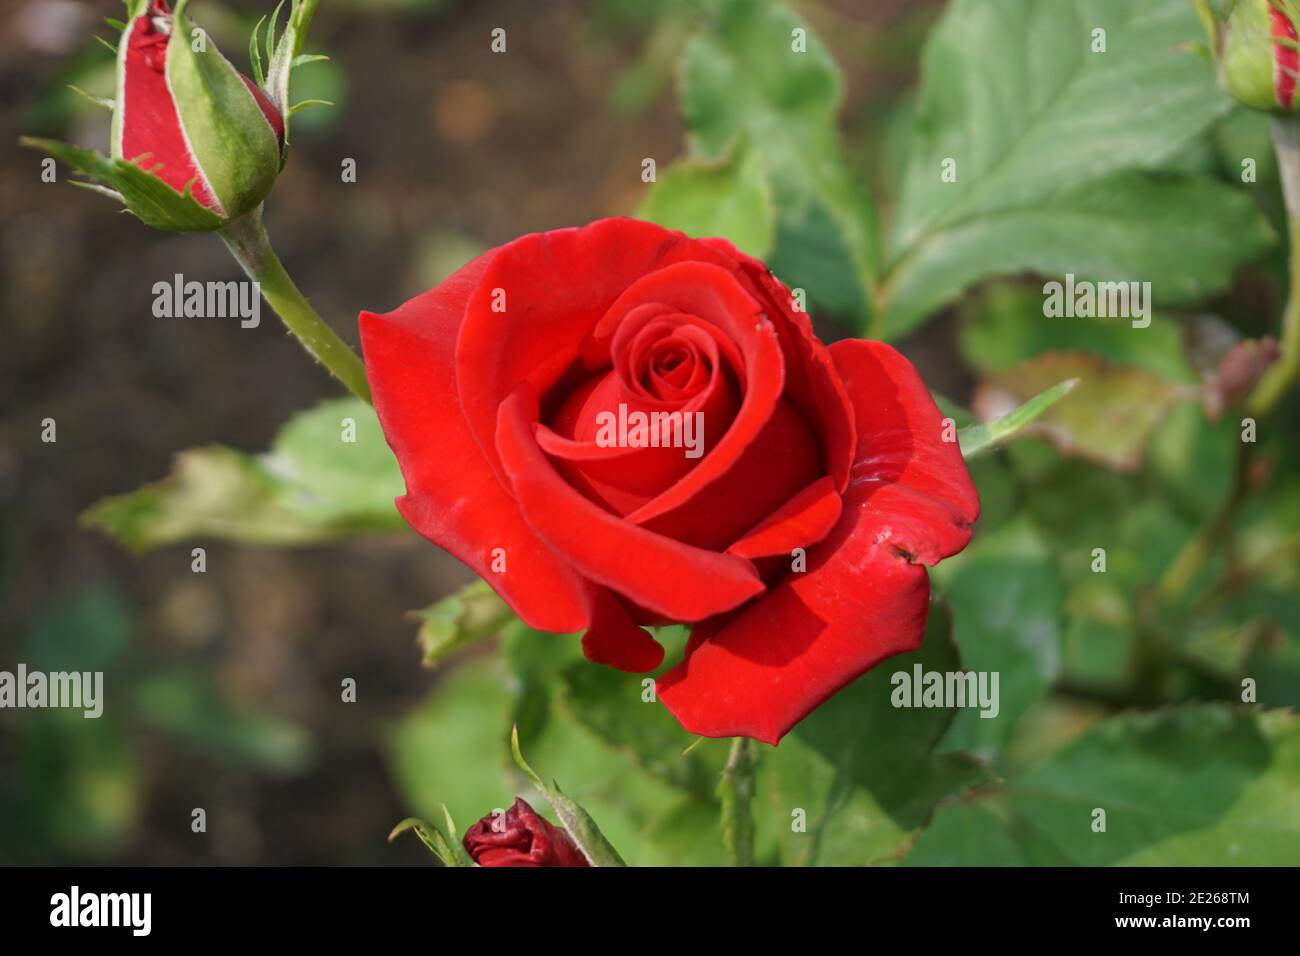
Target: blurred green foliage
(81,784)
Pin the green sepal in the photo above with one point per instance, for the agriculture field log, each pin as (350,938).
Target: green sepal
(577,821)
(444,848)
(230,138)
(255,53)
(285,55)
(146,196)
(985,436)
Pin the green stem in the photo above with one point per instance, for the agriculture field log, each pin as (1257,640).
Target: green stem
(1282,374)
(248,242)
(1198,551)
(737,792)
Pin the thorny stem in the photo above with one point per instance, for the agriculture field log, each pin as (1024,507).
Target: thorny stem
(248,242)
(1187,565)
(737,792)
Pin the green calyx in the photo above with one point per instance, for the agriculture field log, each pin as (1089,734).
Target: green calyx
(1255,66)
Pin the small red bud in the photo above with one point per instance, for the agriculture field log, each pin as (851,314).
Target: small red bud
(519,837)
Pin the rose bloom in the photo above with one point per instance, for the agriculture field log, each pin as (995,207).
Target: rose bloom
(796,544)
(519,837)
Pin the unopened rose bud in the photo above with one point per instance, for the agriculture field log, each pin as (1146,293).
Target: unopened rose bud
(1258,53)
(195,143)
(520,837)
(186,115)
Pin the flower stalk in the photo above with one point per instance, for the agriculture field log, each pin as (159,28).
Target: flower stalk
(737,793)
(248,242)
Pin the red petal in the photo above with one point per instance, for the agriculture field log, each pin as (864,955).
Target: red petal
(781,460)
(811,382)
(804,520)
(917,483)
(452,496)
(1286,59)
(667,577)
(712,293)
(759,671)
(614,640)
(266,106)
(150,128)
(556,286)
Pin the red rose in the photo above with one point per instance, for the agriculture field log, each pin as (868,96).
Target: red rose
(519,837)
(493,389)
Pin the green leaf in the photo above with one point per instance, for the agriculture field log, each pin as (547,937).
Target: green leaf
(1184,235)
(449,751)
(1200,785)
(146,196)
(1109,418)
(741,76)
(728,197)
(979,832)
(686,834)
(579,824)
(1006,325)
(1005,594)
(458,620)
(976,439)
(1048,139)
(614,707)
(312,486)
(1203,784)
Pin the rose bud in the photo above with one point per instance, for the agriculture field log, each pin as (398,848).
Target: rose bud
(1257,52)
(787,507)
(520,837)
(194,143)
(190,118)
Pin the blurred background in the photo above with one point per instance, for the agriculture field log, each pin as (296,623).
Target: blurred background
(224,687)
(229,680)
